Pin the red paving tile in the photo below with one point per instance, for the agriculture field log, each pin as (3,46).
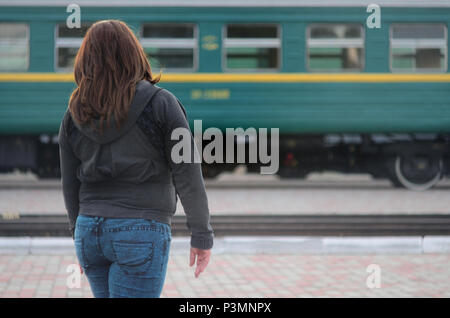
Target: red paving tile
(421,275)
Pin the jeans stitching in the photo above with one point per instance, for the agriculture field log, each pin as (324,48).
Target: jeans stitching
(83,261)
(136,228)
(148,260)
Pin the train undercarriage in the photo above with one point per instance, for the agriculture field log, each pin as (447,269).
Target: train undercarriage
(414,161)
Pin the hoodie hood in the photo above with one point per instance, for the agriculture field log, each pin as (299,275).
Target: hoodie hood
(144,92)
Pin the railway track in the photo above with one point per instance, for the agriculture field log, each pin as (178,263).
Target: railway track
(277,225)
(248,181)
(237,184)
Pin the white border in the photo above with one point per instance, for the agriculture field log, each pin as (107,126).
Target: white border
(294,245)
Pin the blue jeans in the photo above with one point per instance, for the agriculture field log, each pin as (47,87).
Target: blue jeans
(123,257)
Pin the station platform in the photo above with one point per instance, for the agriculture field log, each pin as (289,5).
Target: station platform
(315,267)
(247,194)
(249,275)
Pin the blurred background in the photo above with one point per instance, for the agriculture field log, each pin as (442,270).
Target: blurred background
(363,113)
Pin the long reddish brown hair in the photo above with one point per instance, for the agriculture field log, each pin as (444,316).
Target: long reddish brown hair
(108,65)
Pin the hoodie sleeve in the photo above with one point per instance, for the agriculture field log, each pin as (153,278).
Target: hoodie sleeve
(187,176)
(69,164)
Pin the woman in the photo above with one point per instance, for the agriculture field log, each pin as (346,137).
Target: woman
(120,184)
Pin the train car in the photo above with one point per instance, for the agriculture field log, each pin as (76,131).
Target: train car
(345,95)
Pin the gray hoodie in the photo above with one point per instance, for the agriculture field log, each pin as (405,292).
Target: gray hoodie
(128,173)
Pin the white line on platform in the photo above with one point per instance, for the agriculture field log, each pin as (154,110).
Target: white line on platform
(258,245)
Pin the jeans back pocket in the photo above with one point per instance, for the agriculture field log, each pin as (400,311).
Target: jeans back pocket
(134,258)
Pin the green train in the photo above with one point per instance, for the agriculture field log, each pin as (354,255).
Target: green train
(345,96)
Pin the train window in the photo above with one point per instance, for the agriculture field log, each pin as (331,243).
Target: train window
(418,47)
(335,47)
(14,47)
(251,47)
(169,46)
(67,43)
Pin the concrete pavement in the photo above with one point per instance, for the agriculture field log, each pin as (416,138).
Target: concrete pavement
(251,267)
(256,194)
(252,275)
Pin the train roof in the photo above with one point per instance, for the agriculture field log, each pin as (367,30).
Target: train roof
(229,3)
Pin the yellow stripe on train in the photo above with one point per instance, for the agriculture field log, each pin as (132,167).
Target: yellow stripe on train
(244,77)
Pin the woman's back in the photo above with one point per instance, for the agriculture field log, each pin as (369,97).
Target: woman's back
(116,164)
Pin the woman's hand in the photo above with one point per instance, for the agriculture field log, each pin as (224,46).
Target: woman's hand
(202,259)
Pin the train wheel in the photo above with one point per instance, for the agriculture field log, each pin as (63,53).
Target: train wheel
(418,173)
